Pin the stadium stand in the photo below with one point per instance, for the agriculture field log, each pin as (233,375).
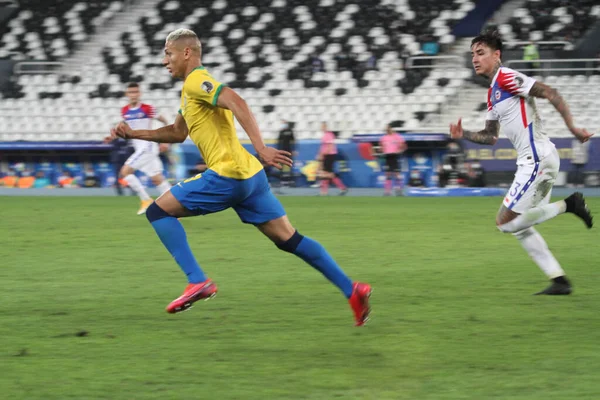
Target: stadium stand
(303,61)
(267,53)
(53,30)
(551,20)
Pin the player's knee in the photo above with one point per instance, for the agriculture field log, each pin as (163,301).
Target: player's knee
(154,213)
(157,179)
(523,234)
(505,228)
(291,244)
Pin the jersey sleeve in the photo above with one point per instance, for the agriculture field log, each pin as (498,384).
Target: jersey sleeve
(204,87)
(515,82)
(149,110)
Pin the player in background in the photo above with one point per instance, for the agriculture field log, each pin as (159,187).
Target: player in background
(327,154)
(145,158)
(234,178)
(392,145)
(511,104)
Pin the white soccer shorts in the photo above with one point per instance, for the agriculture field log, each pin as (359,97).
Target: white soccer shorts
(533,184)
(150,164)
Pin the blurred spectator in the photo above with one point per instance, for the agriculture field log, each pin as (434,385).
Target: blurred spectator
(579,158)
(66,180)
(327,157)
(531,55)
(199,168)
(26,180)
(371,64)
(90,180)
(41,181)
(346,61)
(475,174)
(120,152)
(392,145)
(415,179)
(10,180)
(287,142)
(164,154)
(452,169)
(317,63)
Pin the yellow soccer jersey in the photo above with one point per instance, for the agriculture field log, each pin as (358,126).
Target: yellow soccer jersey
(212,128)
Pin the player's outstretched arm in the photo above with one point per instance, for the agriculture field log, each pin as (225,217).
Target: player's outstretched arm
(544,91)
(489,135)
(174,133)
(162,119)
(230,100)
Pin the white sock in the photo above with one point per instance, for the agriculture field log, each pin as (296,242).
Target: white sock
(534,216)
(137,186)
(535,245)
(164,187)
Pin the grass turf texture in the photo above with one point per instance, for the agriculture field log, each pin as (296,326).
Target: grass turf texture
(85,282)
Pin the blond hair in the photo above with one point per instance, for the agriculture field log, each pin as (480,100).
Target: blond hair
(188,35)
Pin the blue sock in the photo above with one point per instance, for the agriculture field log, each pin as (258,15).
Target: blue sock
(172,235)
(313,253)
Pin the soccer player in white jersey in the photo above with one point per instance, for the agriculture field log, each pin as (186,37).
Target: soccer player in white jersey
(145,158)
(511,104)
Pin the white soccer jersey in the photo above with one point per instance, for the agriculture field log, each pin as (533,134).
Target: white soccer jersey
(510,104)
(141,118)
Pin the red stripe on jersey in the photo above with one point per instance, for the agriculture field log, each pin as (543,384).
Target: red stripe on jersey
(489,99)
(148,110)
(506,81)
(523,112)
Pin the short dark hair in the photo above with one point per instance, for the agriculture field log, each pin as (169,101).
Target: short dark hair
(133,85)
(490,38)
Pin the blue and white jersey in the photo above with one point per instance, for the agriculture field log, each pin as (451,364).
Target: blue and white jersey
(141,118)
(509,103)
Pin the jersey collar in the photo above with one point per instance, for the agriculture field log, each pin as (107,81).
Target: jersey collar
(495,76)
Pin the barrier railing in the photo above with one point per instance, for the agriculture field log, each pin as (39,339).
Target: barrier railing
(37,67)
(546,65)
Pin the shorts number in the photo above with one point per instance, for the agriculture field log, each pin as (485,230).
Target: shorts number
(515,189)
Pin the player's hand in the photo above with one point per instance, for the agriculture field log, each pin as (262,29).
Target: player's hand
(456,130)
(108,139)
(162,147)
(275,158)
(122,130)
(581,134)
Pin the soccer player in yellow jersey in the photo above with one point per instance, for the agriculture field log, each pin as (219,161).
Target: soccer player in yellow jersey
(234,178)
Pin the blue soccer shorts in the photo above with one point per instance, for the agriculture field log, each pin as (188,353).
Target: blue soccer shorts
(251,198)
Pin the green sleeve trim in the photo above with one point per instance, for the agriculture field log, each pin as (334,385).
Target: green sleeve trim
(180,112)
(217,93)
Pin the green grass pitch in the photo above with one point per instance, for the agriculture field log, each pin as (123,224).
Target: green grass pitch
(85,283)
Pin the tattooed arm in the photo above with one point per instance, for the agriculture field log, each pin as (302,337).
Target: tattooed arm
(544,91)
(489,135)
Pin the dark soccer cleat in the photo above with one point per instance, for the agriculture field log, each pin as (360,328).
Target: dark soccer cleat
(576,205)
(359,301)
(556,289)
(192,293)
